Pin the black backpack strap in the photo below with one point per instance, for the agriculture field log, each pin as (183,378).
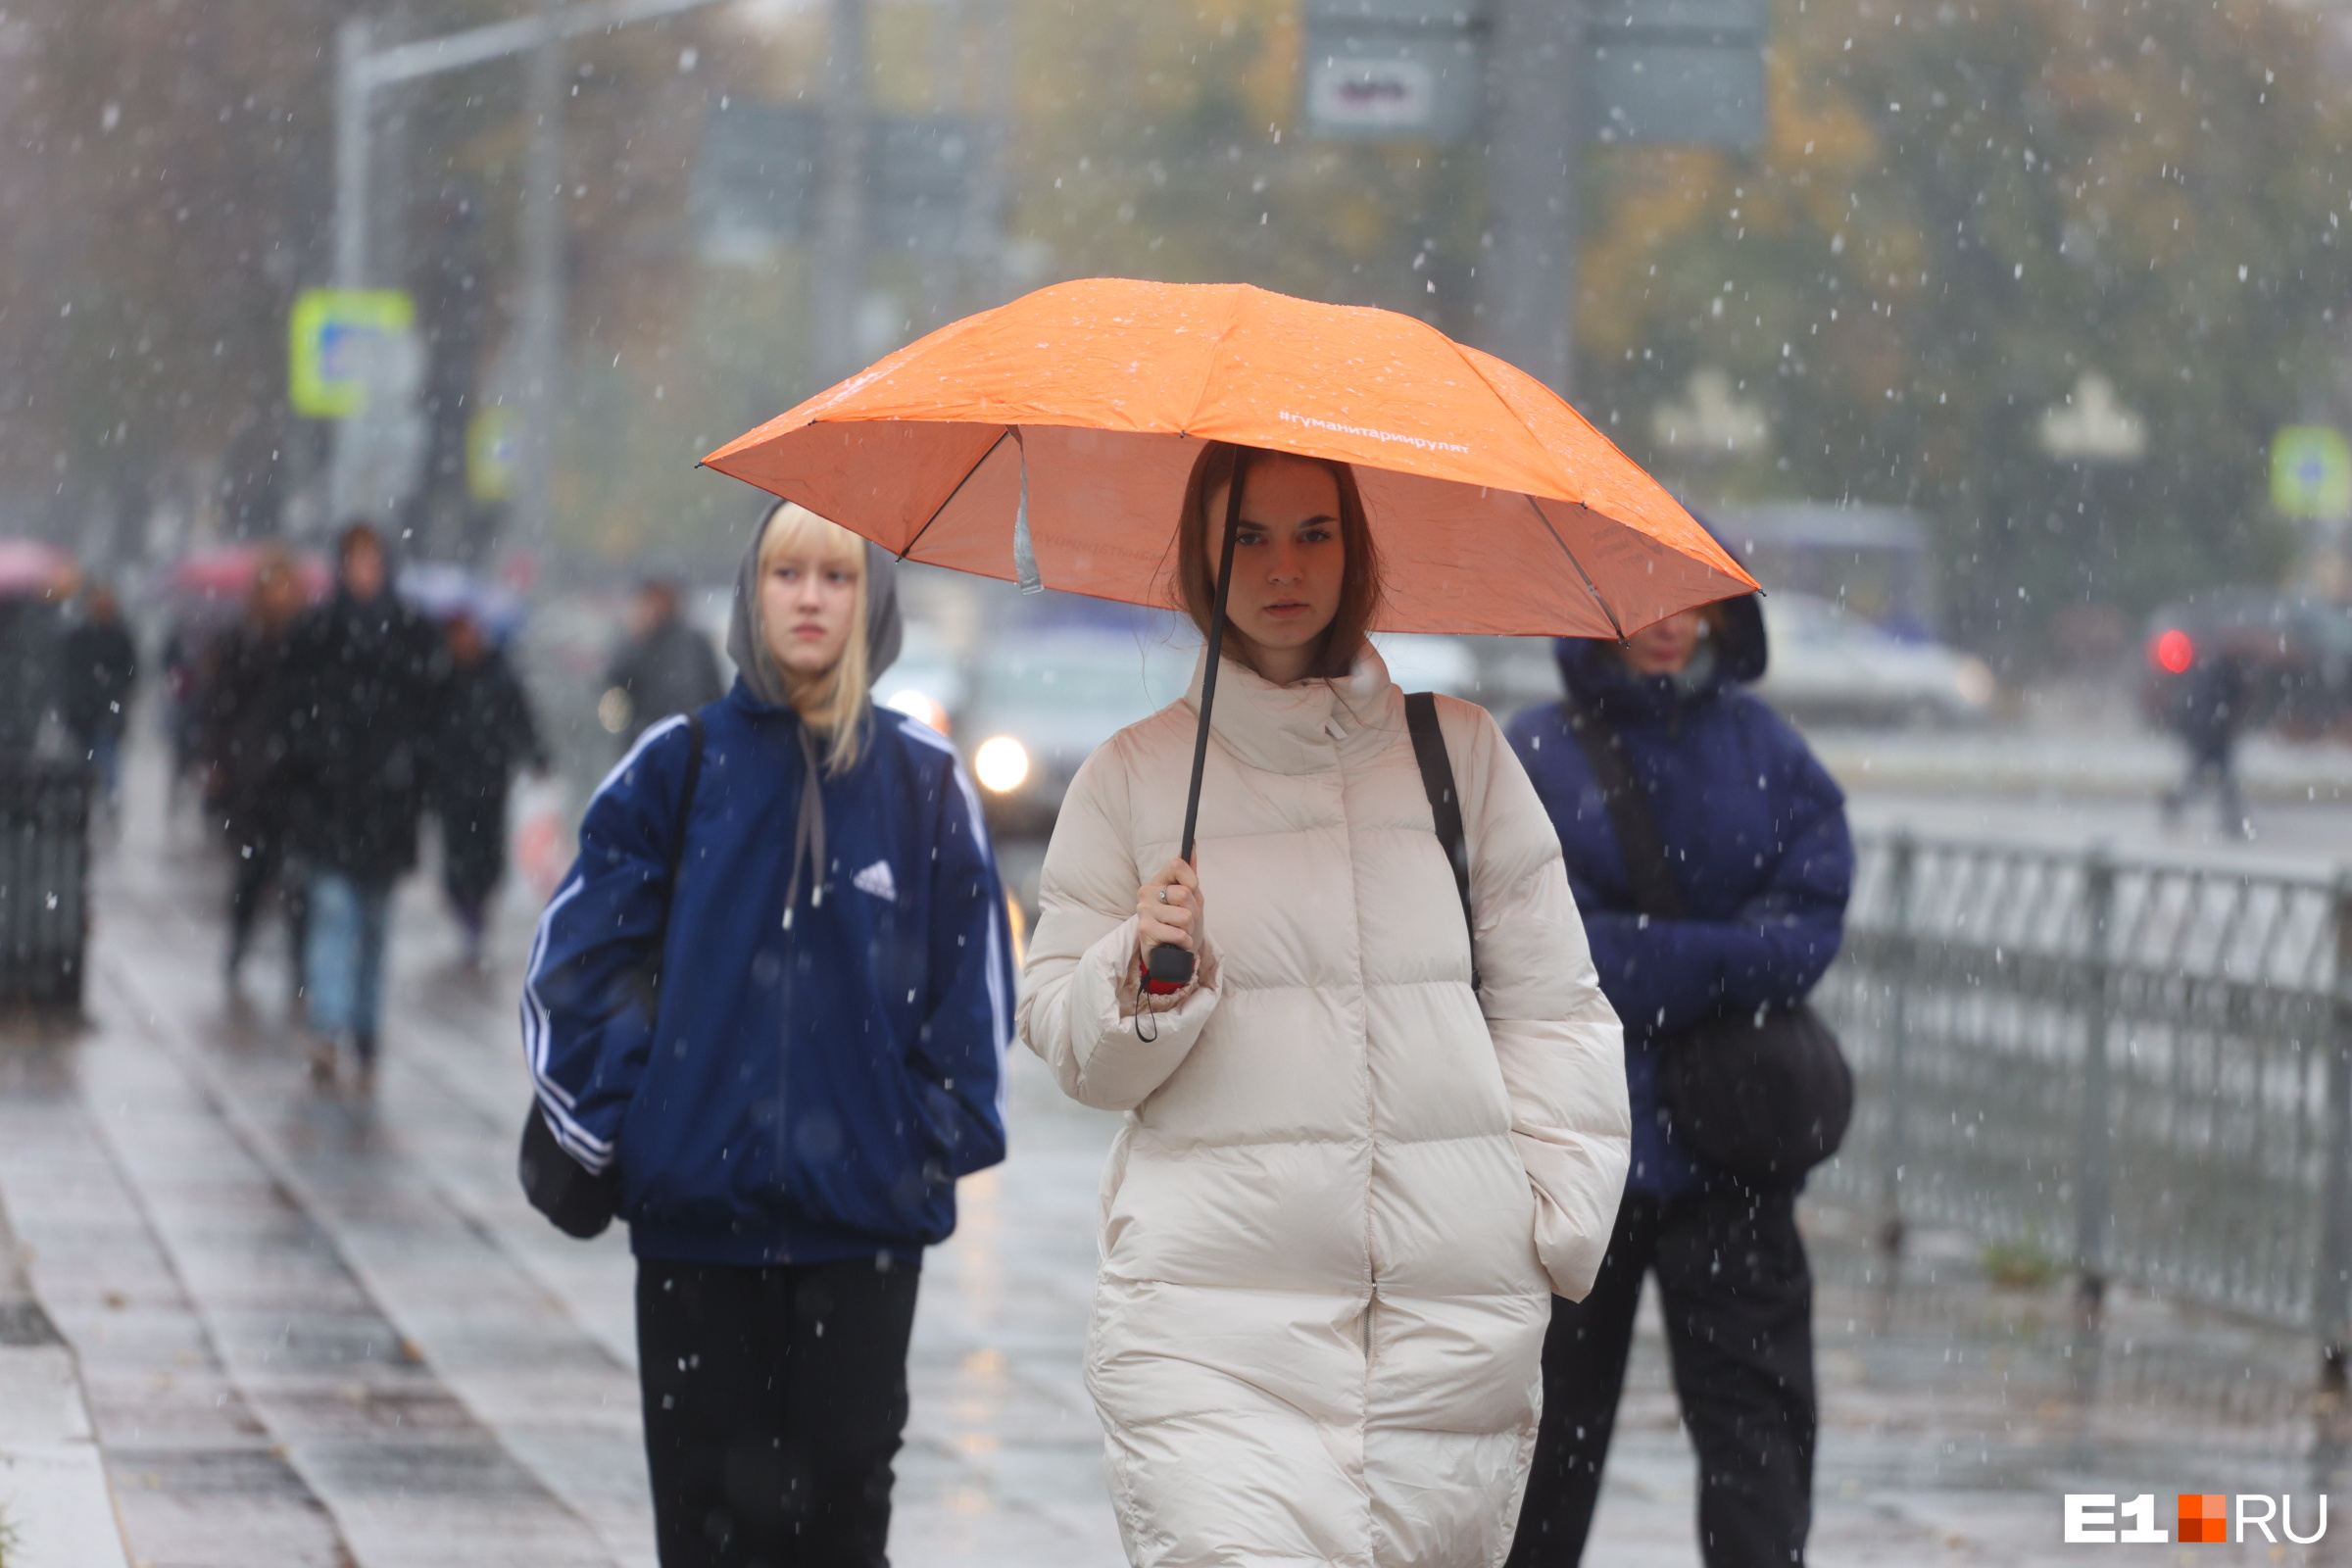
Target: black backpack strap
(1627,802)
(1445,802)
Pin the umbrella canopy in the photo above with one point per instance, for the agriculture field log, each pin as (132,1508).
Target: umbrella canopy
(226,572)
(30,569)
(1079,409)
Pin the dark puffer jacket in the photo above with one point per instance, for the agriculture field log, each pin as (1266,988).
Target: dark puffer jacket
(363,688)
(1756,836)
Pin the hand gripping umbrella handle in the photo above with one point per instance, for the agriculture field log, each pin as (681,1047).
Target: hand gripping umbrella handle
(1172,968)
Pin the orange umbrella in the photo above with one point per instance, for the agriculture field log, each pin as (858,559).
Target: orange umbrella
(1498,509)
(1048,442)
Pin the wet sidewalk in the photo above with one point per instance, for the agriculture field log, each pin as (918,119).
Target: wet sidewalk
(315,1330)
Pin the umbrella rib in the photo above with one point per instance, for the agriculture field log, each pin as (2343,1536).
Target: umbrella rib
(1001,435)
(1590,586)
(1208,364)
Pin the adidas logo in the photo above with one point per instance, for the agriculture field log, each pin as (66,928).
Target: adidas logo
(878,880)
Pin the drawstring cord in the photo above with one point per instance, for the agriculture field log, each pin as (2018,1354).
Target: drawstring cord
(809,833)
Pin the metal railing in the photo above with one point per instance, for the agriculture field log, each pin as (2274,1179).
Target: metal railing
(2142,1070)
(44,878)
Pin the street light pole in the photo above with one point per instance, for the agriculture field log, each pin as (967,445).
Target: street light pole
(1538,102)
(840,195)
(987,284)
(542,310)
(361,70)
(351,105)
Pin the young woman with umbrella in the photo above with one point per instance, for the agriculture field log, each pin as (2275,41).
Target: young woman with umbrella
(1324,1288)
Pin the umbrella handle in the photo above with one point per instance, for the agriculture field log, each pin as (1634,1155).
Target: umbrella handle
(1173,966)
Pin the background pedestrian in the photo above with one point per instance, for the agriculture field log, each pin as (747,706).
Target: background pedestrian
(803,869)
(245,701)
(102,665)
(487,732)
(1350,1177)
(367,677)
(1754,836)
(664,668)
(2209,712)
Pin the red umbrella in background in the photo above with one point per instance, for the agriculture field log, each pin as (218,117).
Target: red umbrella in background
(31,570)
(226,572)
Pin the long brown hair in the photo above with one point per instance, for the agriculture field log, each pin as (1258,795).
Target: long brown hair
(1359,594)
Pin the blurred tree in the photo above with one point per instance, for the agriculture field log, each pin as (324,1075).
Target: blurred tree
(1961,212)
(159,200)
(1159,141)
(1961,209)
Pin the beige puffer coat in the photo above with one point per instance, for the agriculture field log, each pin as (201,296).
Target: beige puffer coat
(1332,1223)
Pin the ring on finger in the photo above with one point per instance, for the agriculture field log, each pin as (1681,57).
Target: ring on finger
(1164,894)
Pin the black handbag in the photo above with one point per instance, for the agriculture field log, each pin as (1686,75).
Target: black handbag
(581,1201)
(1765,1095)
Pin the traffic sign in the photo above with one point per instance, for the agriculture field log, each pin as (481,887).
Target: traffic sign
(1654,71)
(335,344)
(756,186)
(490,442)
(2311,473)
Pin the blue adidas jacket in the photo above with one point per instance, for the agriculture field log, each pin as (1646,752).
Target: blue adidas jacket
(806,1093)
(1756,836)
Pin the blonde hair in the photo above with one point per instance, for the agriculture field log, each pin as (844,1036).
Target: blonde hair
(833,702)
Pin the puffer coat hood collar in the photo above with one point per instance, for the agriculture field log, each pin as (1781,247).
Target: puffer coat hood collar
(1599,681)
(1288,729)
(747,640)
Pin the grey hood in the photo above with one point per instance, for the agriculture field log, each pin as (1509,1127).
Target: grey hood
(747,639)
(747,645)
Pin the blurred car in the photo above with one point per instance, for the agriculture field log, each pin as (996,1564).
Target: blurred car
(1423,662)
(926,682)
(1043,699)
(1827,664)
(2294,652)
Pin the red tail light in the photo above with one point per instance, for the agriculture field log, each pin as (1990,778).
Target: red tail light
(2173,651)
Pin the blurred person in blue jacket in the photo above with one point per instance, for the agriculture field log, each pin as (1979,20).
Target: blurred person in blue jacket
(1756,840)
(790,1103)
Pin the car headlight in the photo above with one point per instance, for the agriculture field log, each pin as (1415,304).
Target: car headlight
(614,711)
(1002,764)
(917,705)
(1975,682)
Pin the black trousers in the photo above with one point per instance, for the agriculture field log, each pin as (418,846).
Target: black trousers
(258,864)
(773,1403)
(1739,1307)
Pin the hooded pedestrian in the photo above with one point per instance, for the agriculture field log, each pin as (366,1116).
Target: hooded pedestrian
(487,732)
(773,996)
(1351,1175)
(246,700)
(666,668)
(1753,838)
(2209,712)
(367,680)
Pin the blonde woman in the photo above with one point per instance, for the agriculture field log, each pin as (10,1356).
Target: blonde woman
(774,997)
(1349,1183)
